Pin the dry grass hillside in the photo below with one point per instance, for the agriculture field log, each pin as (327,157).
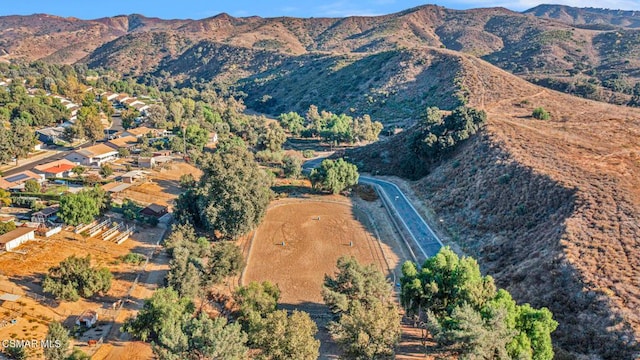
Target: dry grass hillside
(549,208)
(589,62)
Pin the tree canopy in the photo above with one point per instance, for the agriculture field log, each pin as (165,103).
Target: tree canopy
(82,207)
(463,309)
(334,176)
(368,325)
(74,278)
(231,197)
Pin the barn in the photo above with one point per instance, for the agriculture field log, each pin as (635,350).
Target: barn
(17,237)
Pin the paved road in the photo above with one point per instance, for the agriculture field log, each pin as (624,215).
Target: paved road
(422,235)
(420,232)
(31,164)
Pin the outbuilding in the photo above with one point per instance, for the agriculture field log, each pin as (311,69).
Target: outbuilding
(17,237)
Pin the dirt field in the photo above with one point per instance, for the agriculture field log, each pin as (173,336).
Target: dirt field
(163,186)
(22,274)
(315,235)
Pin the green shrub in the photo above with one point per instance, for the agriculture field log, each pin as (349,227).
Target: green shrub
(307,154)
(541,114)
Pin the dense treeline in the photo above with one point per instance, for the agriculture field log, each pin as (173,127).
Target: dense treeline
(331,127)
(463,310)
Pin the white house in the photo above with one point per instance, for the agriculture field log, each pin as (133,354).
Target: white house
(93,155)
(17,237)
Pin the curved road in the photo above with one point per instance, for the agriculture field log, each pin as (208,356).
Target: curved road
(421,234)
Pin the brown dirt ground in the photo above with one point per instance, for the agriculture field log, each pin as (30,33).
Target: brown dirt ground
(24,272)
(312,248)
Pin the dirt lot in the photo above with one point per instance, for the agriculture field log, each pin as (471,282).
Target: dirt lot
(162,186)
(22,274)
(311,248)
(315,235)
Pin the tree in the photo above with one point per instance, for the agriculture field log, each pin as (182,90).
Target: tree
(78,170)
(259,298)
(166,320)
(159,315)
(106,170)
(464,310)
(354,282)
(438,135)
(6,144)
(187,181)
(74,278)
(5,227)
(368,325)
(157,116)
(90,123)
(368,331)
(82,207)
(58,336)
(15,352)
(273,138)
(225,260)
(292,122)
(124,152)
(335,176)
(286,337)
(23,139)
(32,186)
(541,114)
(231,197)
(129,117)
(292,166)
(202,337)
(5,198)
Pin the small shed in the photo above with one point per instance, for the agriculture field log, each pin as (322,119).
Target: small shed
(88,318)
(155,210)
(17,237)
(133,175)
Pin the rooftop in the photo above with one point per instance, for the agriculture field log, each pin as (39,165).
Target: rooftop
(97,150)
(14,234)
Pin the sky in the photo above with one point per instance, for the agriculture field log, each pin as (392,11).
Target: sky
(198,9)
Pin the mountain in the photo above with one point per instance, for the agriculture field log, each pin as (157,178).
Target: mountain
(548,207)
(588,18)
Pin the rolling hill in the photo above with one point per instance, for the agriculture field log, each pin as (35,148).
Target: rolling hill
(548,207)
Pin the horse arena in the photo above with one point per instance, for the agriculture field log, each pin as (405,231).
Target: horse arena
(299,242)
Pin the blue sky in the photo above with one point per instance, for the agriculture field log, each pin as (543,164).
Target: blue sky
(197,9)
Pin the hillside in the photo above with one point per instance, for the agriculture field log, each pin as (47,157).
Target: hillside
(541,46)
(593,18)
(547,207)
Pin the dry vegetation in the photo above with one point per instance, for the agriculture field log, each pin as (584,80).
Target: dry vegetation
(548,207)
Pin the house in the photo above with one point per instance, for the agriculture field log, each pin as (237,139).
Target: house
(155,210)
(139,131)
(16,181)
(46,214)
(125,142)
(162,153)
(88,318)
(132,176)
(17,237)
(93,155)
(108,95)
(50,135)
(4,184)
(147,162)
(121,98)
(141,107)
(55,169)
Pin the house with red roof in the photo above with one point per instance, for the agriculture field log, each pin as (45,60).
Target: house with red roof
(56,169)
